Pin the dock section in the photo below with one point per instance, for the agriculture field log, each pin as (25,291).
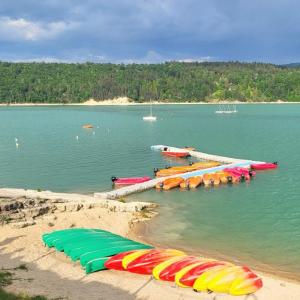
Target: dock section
(228,162)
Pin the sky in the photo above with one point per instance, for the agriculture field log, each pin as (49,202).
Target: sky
(150,31)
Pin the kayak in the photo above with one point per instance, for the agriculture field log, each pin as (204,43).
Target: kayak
(201,283)
(242,174)
(216,179)
(167,270)
(264,166)
(176,153)
(208,179)
(191,183)
(146,263)
(129,180)
(223,280)
(187,276)
(115,262)
(225,177)
(234,280)
(170,183)
(246,285)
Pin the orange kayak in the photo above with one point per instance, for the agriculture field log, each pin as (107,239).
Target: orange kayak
(216,178)
(169,183)
(191,183)
(208,179)
(224,176)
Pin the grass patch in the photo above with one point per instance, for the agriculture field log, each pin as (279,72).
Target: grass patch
(10,296)
(22,267)
(123,200)
(4,219)
(5,279)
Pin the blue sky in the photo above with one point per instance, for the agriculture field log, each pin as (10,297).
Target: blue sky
(150,31)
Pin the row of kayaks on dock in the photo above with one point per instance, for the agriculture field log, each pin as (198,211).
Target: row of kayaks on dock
(228,175)
(98,249)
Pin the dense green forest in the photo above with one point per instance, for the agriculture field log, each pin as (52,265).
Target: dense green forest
(171,81)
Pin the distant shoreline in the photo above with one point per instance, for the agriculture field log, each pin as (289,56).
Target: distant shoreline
(106,103)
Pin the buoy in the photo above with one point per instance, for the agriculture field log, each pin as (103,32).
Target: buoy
(16,140)
(77,137)
(93,132)
(17,145)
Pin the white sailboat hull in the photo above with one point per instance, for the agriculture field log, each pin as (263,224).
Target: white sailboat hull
(149,118)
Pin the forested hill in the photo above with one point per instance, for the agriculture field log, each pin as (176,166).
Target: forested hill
(172,81)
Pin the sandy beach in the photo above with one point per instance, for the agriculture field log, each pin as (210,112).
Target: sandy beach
(53,275)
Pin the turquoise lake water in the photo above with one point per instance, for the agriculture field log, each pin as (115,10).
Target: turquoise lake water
(252,223)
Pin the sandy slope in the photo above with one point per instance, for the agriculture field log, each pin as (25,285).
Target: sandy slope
(53,275)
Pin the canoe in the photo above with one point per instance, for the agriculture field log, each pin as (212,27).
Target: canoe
(246,285)
(146,263)
(115,262)
(176,153)
(167,270)
(170,183)
(129,180)
(191,183)
(264,166)
(188,275)
(208,179)
(201,283)
(216,179)
(223,280)
(225,177)
(242,174)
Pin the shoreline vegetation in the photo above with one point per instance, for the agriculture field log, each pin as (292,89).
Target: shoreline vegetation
(31,213)
(181,82)
(124,101)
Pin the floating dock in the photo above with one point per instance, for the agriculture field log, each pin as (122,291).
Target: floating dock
(140,187)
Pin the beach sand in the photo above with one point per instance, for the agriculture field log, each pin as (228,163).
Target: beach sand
(53,275)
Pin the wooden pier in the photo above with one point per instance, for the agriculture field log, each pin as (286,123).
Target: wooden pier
(228,163)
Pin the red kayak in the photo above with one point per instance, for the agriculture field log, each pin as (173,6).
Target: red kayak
(167,270)
(264,166)
(176,153)
(115,262)
(146,263)
(188,275)
(129,180)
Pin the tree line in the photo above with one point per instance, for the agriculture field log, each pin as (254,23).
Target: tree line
(170,81)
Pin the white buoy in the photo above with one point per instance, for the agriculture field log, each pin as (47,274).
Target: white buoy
(17,145)
(77,137)
(16,140)
(93,132)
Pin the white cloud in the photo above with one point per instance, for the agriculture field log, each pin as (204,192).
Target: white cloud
(21,29)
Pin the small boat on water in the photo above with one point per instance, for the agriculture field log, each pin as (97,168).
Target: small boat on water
(170,183)
(176,153)
(129,180)
(264,166)
(87,126)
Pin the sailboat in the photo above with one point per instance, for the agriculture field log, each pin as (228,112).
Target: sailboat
(150,118)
